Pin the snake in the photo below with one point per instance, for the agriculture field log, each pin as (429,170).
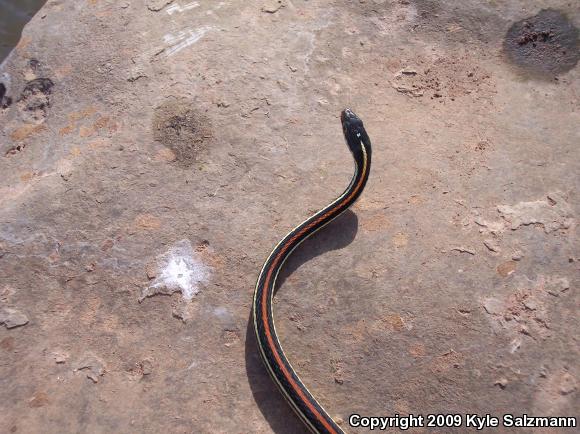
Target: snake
(308,409)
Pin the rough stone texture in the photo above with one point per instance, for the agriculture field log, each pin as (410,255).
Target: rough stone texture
(131,126)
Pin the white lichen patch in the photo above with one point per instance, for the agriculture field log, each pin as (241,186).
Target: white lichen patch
(180,269)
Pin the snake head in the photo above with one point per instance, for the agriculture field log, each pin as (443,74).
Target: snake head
(354,132)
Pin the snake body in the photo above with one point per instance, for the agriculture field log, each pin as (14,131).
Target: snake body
(314,416)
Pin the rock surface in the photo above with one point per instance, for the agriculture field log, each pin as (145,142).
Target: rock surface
(155,149)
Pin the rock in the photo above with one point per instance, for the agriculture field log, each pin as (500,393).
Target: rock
(134,96)
(157,5)
(558,285)
(147,367)
(406,71)
(462,249)
(492,245)
(92,365)
(12,318)
(525,330)
(517,256)
(502,382)
(151,270)
(493,306)
(552,214)
(515,345)
(60,356)
(530,304)
(489,227)
(408,89)
(271,7)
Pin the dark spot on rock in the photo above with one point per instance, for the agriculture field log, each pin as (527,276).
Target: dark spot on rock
(545,44)
(183,129)
(38,85)
(15,149)
(35,97)
(34,64)
(5,101)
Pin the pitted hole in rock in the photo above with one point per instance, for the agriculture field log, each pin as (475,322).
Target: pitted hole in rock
(545,44)
(15,150)
(35,97)
(183,129)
